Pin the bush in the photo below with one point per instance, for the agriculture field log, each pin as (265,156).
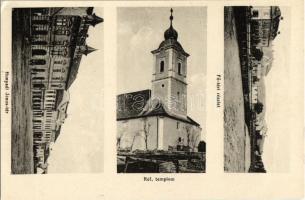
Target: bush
(202,146)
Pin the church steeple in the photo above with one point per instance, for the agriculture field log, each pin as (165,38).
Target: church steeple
(85,49)
(94,19)
(171,33)
(169,74)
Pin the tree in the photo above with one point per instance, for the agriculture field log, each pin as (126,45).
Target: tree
(133,139)
(192,137)
(146,131)
(121,131)
(188,134)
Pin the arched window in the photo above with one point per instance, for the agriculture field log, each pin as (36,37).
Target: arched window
(39,85)
(162,66)
(179,68)
(38,78)
(37,62)
(178,96)
(38,70)
(38,52)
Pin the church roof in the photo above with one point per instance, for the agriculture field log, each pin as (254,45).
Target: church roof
(170,39)
(94,19)
(132,104)
(149,109)
(170,43)
(88,50)
(160,110)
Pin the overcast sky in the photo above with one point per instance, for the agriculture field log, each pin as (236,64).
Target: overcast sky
(79,147)
(141,30)
(276,149)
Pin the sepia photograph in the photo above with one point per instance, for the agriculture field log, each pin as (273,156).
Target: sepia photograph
(53,67)
(161,90)
(106,97)
(256,58)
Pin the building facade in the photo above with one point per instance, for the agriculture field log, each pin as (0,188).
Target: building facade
(57,43)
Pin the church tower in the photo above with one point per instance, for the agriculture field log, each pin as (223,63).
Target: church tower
(169,73)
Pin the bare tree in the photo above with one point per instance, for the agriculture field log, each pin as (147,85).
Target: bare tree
(193,141)
(134,138)
(120,133)
(192,137)
(146,131)
(188,134)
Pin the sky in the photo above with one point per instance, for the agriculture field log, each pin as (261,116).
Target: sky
(276,149)
(80,144)
(141,30)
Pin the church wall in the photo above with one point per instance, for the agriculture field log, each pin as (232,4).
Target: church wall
(131,132)
(162,56)
(172,132)
(179,58)
(160,90)
(180,102)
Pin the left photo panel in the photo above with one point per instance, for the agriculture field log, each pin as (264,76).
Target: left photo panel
(57,85)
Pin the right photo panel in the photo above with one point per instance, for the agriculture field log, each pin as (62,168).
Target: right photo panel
(256,89)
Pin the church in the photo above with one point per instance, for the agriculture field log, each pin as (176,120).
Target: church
(156,118)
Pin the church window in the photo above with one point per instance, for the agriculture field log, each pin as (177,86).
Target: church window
(178,96)
(162,85)
(179,68)
(162,66)
(178,125)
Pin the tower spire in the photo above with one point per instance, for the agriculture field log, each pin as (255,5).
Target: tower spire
(171,33)
(171,17)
